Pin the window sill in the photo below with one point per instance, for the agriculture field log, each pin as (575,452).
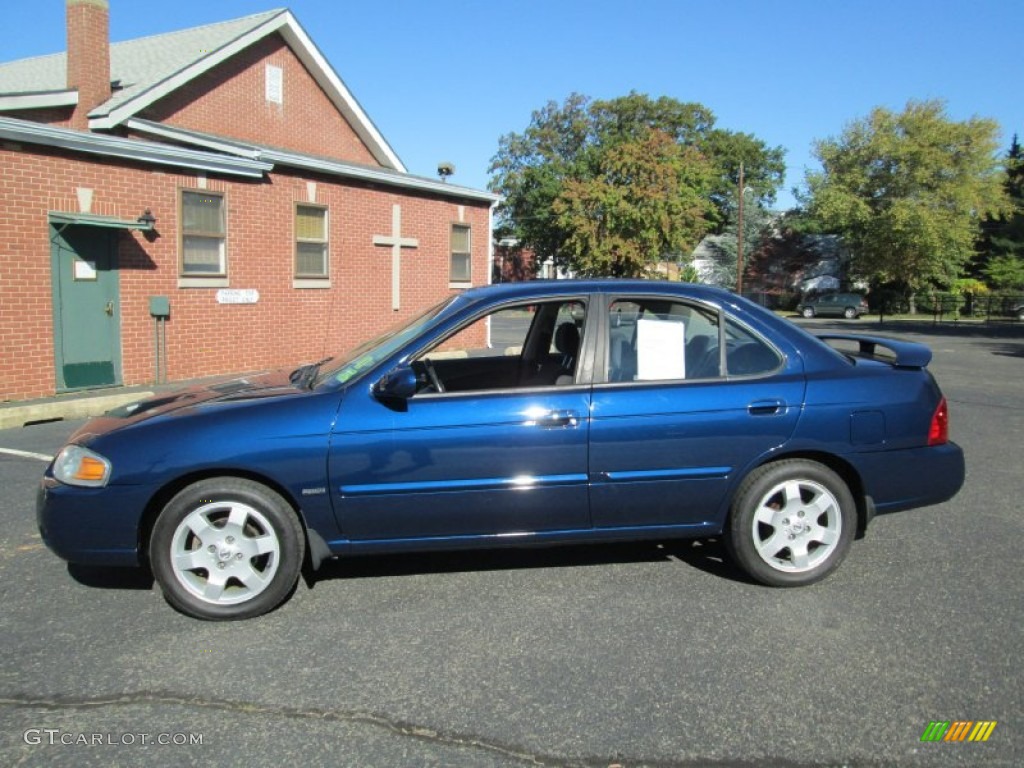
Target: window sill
(462,285)
(311,282)
(203,282)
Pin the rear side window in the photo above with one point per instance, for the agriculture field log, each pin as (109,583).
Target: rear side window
(658,339)
(748,354)
(667,340)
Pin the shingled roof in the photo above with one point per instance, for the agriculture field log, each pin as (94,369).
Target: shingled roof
(148,68)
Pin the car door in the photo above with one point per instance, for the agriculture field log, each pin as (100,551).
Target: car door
(689,399)
(830,305)
(501,458)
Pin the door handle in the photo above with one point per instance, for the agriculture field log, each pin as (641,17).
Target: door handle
(558,419)
(109,309)
(765,407)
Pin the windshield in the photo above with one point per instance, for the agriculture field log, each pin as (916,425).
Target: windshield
(348,366)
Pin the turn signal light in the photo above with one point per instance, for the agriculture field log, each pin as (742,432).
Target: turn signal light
(76,465)
(91,470)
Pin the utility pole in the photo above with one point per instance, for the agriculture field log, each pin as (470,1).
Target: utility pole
(739,239)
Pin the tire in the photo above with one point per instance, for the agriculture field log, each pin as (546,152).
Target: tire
(227,548)
(791,523)
(850,313)
(1020,314)
(807,312)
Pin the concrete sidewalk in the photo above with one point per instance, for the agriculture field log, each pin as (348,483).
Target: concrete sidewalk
(79,405)
(95,402)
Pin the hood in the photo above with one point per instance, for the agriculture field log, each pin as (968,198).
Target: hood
(248,388)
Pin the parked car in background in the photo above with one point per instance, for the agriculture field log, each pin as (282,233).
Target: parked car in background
(848,305)
(517,414)
(1017,310)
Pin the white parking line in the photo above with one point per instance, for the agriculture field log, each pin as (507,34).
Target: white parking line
(26,454)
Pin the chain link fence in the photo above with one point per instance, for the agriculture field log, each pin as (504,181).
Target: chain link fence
(950,307)
(938,307)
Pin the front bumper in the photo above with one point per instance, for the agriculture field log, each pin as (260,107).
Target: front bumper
(91,526)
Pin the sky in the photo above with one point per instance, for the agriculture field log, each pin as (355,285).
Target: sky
(443,80)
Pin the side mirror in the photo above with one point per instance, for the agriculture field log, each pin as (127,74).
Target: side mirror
(399,384)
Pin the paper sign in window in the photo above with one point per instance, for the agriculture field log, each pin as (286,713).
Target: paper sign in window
(660,349)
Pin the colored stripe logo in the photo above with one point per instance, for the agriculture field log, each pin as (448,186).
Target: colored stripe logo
(958,730)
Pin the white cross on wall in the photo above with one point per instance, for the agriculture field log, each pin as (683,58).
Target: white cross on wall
(397,243)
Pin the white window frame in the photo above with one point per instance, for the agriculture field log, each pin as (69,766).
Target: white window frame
(195,278)
(453,281)
(310,280)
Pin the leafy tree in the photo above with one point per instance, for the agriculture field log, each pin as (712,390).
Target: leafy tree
(612,187)
(724,248)
(646,198)
(1002,242)
(907,191)
(1006,272)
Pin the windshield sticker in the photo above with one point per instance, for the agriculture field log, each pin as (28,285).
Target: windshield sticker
(356,367)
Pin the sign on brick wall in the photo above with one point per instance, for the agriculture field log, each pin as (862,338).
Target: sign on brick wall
(238,296)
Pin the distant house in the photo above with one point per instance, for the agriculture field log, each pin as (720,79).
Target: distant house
(221,181)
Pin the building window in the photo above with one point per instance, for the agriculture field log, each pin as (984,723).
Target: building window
(203,250)
(461,271)
(311,241)
(275,84)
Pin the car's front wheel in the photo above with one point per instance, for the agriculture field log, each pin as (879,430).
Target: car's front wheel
(791,523)
(850,313)
(808,312)
(227,548)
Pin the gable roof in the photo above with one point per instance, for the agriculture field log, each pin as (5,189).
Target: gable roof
(148,68)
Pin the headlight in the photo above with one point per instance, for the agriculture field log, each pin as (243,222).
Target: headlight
(76,465)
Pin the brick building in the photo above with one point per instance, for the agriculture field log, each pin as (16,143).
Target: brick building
(215,193)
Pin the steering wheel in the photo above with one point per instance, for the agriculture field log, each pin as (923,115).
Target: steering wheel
(435,381)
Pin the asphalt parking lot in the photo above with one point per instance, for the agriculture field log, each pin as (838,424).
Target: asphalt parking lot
(635,655)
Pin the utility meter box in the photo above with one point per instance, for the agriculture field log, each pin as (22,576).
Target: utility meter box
(159,306)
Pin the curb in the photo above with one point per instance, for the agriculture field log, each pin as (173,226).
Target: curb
(13,416)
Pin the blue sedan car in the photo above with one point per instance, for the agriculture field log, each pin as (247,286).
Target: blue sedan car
(529,413)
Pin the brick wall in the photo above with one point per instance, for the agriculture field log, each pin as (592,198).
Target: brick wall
(286,326)
(230,100)
(88,62)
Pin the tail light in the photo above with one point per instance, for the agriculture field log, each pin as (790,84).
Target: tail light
(938,432)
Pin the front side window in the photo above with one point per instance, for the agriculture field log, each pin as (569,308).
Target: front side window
(461,262)
(530,345)
(203,248)
(311,241)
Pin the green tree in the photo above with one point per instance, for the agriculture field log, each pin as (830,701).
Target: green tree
(1005,272)
(612,187)
(723,248)
(907,192)
(646,198)
(1002,242)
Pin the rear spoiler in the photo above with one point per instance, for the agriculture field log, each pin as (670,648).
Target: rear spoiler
(907,354)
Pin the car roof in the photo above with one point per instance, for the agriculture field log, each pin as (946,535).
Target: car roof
(540,288)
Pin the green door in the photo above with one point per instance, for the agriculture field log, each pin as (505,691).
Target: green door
(86,313)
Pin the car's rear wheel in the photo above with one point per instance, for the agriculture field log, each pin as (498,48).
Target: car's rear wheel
(850,313)
(227,548)
(808,312)
(791,523)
